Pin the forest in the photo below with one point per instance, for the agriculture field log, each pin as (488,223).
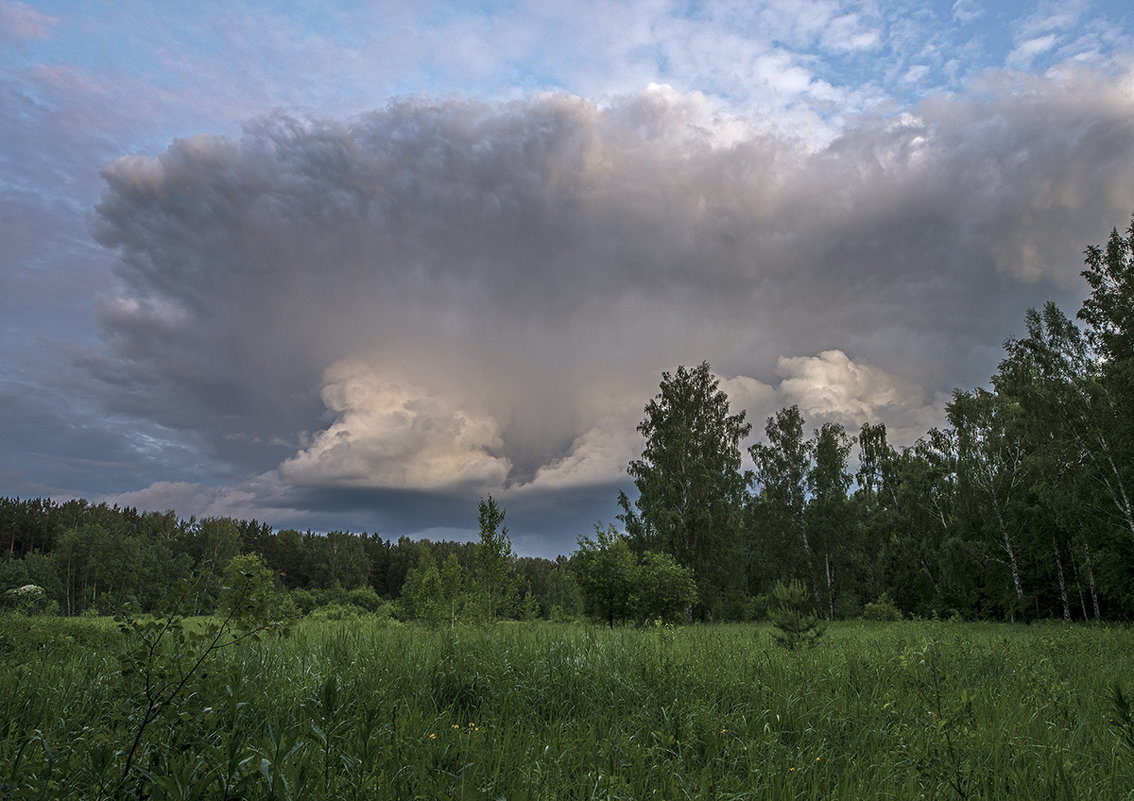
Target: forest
(1021,508)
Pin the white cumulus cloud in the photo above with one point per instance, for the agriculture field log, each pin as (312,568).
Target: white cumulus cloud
(831,386)
(390,433)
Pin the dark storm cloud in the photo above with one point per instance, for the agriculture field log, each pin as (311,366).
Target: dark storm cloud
(460,296)
(55,444)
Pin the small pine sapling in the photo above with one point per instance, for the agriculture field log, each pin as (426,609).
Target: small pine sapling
(794,616)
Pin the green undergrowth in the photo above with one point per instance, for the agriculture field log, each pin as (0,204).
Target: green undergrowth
(353,710)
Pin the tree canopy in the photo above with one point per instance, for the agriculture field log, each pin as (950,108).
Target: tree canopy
(691,488)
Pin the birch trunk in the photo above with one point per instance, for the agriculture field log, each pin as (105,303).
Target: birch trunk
(1062,582)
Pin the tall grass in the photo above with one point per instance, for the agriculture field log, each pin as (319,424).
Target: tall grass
(544,711)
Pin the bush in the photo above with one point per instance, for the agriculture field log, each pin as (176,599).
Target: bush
(745,607)
(29,599)
(364,597)
(383,616)
(665,589)
(762,606)
(304,600)
(847,607)
(252,594)
(558,614)
(883,609)
(35,568)
(337,612)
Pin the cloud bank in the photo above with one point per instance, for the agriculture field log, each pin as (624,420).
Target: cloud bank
(464,296)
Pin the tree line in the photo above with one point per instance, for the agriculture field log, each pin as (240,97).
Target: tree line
(1021,508)
(95,558)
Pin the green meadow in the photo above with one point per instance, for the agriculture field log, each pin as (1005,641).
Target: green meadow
(368,710)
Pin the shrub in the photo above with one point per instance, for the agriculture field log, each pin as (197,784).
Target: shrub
(665,589)
(847,607)
(365,597)
(304,599)
(252,594)
(26,599)
(337,612)
(882,609)
(383,616)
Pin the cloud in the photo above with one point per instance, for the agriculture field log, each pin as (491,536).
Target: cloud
(459,295)
(1028,50)
(389,432)
(1058,34)
(831,386)
(598,456)
(848,33)
(1048,17)
(756,398)
(966,11)
(524,265)
(20,22)
(241,503)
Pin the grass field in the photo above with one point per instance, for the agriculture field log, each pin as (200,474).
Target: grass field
(546,711)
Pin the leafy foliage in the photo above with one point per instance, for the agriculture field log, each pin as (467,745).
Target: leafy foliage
(166,656)
(666,591)
(252,596)
(882,609)
(423,592)
(618,586)
(691,487)
(606,572)
(495,586)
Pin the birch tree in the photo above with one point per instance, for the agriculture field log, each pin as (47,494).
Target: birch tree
(991,467)
(782,467)
(495,585)
(691,488)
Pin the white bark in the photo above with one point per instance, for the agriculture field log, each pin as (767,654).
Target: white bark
(1062,582)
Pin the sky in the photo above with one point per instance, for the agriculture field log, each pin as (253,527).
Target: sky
(356,265)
